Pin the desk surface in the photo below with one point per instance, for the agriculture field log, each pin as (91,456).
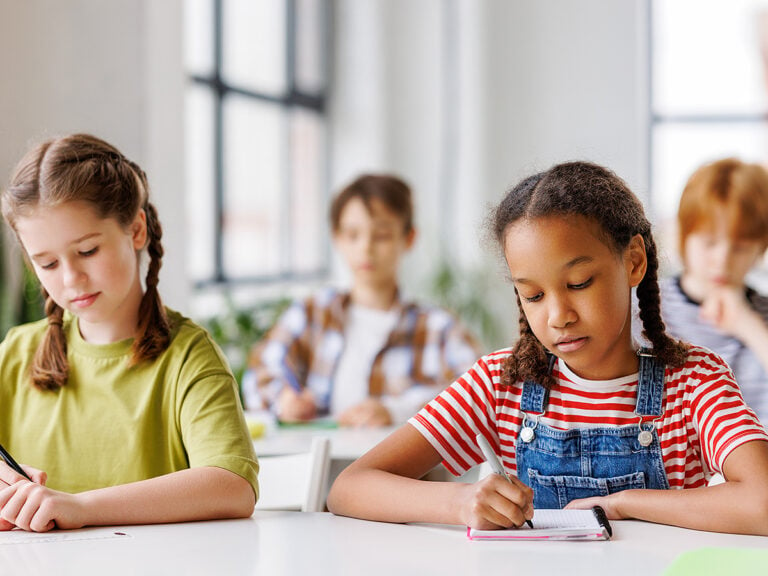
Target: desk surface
(295,543)
(346,443)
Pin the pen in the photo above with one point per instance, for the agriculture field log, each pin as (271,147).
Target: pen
(12,463)
(494,462)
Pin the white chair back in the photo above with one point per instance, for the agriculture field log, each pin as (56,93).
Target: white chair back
(295,481)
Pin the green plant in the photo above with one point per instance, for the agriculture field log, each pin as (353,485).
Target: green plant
(465,293)
(20,297)
(237,329)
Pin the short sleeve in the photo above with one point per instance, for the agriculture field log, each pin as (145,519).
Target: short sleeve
(210,415)
(720,415)
(452,420)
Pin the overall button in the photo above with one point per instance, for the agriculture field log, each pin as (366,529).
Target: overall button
(526,434)
(645,438)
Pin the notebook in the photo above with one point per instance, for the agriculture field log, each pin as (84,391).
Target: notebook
(554,525)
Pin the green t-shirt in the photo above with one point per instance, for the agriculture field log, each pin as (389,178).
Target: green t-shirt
(113,423)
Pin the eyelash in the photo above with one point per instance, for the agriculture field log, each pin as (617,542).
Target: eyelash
(84,254)
(580,286)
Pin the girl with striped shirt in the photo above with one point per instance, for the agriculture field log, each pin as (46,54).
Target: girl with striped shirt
(579,415)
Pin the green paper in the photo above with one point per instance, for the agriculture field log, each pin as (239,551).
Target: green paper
(718,561)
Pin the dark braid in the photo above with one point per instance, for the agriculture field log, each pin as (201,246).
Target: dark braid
(668,350)
(154,333)
(591,191)
(50,368)
(528,360)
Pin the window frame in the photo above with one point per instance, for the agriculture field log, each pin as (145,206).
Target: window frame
(291,99)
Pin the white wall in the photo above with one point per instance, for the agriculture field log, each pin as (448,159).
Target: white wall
(484,91)
(514,88)
(110,68)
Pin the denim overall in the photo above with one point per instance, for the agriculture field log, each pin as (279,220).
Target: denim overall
(563,465)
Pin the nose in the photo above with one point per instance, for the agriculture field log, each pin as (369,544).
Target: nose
(72,275)
(561,313)
(723,256)
(367,243)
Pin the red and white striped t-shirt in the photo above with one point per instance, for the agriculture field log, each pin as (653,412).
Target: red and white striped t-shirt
(703,418)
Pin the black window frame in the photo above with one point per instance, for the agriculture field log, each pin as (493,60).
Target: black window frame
(292,98)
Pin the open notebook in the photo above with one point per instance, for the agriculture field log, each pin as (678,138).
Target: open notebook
(554,525)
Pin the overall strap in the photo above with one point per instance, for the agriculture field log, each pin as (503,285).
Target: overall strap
(650,385)
(535,395)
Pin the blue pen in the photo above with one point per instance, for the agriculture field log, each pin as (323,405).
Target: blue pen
(494,462)
(12,463)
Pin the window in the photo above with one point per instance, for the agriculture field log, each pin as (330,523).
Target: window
(709,93)
(256,151)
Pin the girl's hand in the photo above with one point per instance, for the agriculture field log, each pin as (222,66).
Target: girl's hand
(495,503)
(9,476)
(296,406)
(369,413)
(610,504)
(35,508)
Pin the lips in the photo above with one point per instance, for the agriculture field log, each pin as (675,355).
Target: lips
(570,343)
(85,300)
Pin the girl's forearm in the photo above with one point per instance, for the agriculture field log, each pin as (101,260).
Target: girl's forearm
(378,495)
(195,494)
(726,507)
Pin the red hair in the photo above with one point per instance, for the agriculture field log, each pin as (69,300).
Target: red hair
(737,189)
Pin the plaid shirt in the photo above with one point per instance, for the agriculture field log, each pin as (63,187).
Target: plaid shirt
(428,348)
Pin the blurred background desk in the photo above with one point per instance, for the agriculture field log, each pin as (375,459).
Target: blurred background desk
(347,444)
(296,543)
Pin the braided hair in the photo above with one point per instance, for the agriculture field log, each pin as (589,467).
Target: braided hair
(585,189)
(85,168)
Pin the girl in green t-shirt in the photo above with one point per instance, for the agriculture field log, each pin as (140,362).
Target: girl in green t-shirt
(82,215)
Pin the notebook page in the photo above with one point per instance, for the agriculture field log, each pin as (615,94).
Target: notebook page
(553,525)
(544,519)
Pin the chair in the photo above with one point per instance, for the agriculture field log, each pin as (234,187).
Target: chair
(295,481)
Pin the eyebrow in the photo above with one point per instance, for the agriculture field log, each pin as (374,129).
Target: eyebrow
(570,264)
(75,241)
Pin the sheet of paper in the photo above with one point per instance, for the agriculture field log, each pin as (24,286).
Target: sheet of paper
(22,537)
(553,518)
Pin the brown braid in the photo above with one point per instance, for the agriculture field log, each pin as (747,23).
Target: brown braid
(154,332)
(594,192)
(50,368)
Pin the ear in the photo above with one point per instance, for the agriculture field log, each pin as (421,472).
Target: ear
(410,238)
(635,260)
(139,230)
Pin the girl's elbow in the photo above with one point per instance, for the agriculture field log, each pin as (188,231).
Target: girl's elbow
(242,506)
(242,500)
(336,501)
(333,502)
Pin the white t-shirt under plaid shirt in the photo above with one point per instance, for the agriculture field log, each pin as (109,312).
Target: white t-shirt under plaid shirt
(427,348)
(703,418)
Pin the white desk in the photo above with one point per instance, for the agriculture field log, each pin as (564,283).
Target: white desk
(294,543)
(346,443)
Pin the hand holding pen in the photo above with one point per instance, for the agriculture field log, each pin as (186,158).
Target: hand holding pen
(494,462)
(12,463)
